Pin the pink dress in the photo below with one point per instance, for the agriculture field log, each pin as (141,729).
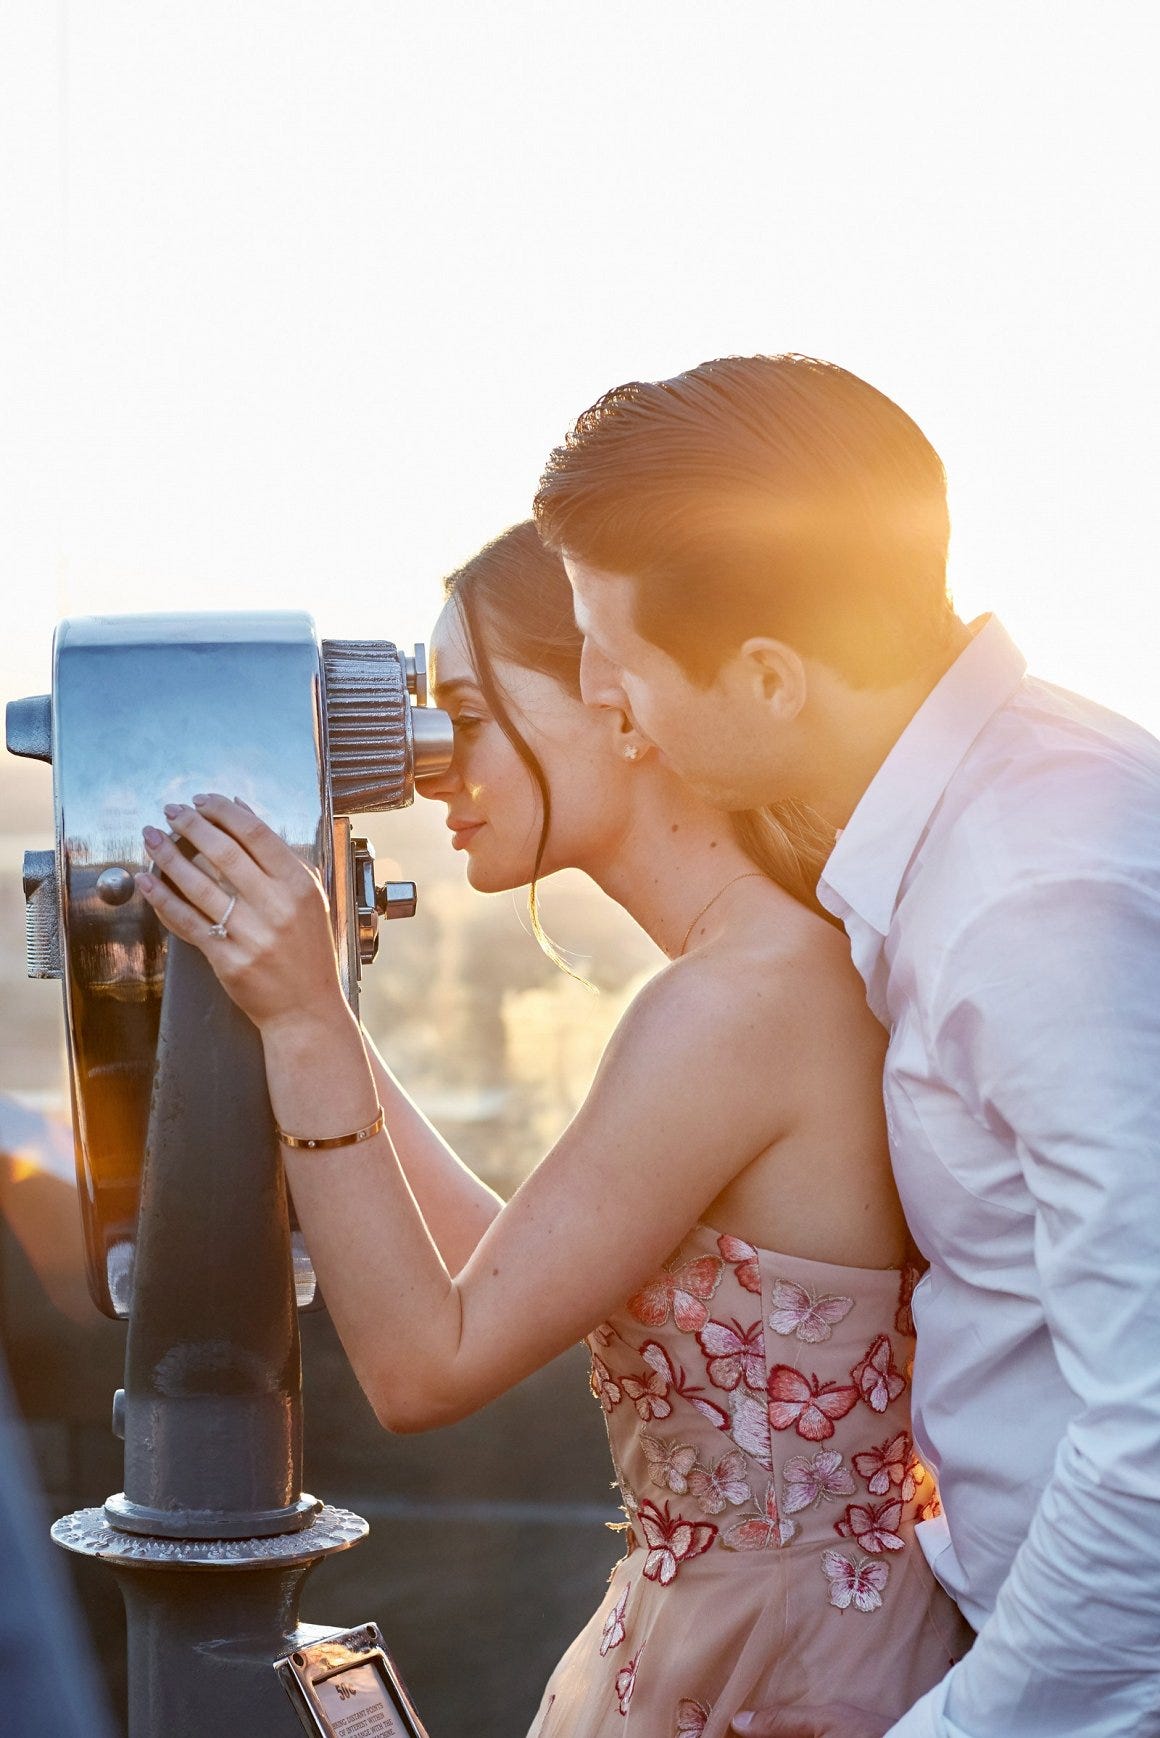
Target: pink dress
(757,1412)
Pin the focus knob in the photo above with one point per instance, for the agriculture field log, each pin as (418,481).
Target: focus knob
(368,725)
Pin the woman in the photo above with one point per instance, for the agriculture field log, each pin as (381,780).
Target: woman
(756,1401)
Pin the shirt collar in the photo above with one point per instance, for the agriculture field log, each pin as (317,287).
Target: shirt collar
(865,869)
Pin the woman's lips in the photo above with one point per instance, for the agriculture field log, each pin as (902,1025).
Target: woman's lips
(462,832)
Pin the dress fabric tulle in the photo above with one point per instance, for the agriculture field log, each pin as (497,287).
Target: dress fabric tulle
(758,1416)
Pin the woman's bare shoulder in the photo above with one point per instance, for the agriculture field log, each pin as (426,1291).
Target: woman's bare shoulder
(768,978)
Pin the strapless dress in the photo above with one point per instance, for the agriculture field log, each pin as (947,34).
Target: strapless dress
(758,1417)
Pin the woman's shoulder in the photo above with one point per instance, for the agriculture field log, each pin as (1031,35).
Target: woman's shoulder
(776,965)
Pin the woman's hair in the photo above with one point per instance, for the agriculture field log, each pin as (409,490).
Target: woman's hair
(774,495)
(515,603)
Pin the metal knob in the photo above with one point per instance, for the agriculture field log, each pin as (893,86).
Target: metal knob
(397,899)
(28,727)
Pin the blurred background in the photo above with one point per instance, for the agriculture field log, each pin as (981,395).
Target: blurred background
(296,296)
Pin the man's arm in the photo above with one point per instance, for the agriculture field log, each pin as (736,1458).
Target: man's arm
(1048,1011)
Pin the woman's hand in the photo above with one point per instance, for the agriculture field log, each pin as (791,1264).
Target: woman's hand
(276,958)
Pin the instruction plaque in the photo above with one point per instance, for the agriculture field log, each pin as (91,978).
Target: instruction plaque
(347,1686)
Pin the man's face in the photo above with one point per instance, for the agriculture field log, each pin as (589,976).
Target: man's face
(716,738)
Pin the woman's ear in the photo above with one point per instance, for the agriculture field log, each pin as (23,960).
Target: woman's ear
(776,677)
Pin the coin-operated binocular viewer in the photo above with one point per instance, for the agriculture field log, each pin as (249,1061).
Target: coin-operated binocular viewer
(188,1231)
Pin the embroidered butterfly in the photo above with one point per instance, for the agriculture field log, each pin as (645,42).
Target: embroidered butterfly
(749,1428)
(715,1487)
(671,1541)
(689,1720)
(601,1383)
(682,1292)
(811,1319)
(734,1354)
(809,1482)
(742,1257)
(764,1532)
(613,1633)
(802,1403)
(670,1463)
(858,1584)
(873,1525)
(891,1463)
(626,1681)
(649,1394)
(878,1381)
(675,1379)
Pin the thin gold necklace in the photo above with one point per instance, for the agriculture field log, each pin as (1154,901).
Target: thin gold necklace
(749,875)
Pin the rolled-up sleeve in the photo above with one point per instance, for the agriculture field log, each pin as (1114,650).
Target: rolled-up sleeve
(1047,1026)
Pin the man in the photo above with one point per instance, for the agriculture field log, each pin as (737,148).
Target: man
(757,551)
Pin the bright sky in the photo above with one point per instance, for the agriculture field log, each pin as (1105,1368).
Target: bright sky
(297,293)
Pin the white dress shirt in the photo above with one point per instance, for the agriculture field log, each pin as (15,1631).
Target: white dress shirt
(1000,884)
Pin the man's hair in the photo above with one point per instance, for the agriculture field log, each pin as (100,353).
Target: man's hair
(761,495)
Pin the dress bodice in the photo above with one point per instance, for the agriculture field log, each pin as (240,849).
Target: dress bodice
(757,1400)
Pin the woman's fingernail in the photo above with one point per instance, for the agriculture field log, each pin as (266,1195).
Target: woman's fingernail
(172,809)
(199,799)
(243,804)
(152,836)
(742,1722)
(145,882)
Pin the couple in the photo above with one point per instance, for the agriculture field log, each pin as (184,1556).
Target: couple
(721,674)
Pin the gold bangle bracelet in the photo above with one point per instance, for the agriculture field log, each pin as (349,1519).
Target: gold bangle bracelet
(326,1143)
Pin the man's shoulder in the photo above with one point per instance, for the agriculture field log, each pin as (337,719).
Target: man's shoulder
(1055,787)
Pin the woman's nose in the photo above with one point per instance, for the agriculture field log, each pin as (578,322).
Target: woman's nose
(439,786)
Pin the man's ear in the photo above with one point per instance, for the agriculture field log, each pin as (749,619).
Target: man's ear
(776,676)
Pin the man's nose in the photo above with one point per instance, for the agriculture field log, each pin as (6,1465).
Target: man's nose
(599,678)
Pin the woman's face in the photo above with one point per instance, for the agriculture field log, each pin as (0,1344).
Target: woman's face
(493,806)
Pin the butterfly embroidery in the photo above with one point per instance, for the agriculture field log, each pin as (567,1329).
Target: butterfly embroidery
(808,1482)
(878,1381)
(669,1463)
(683,1291)
(714,1487)
(649,1394)
(764,1532)
(690,1718)
(891,1463)
(811,1319)
(614,1624)
(601,1383)
(749,1428)
(675,1379)
(603,1335)
(626,1681)
(734,1354)
(873,1525)
(857,1584)
(803,1403)
(742,1257)
(929,1511)
(671,1541)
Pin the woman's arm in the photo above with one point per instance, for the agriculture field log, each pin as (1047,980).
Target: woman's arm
(680,1104)
(457,1208)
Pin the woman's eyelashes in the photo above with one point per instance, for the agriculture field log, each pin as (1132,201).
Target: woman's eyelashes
(465,723)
